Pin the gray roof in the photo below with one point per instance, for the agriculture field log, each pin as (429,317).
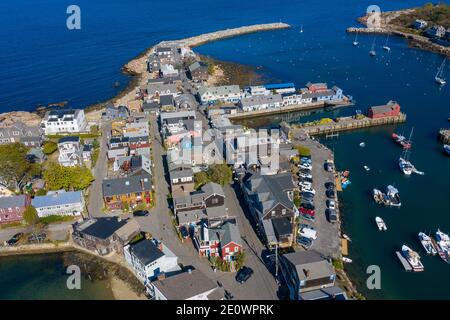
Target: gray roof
(384,108)
(102,228)
(261,99)
(131,184)
(212,188)
(184,285)
(185,217)
(158,87)
(57,199)
(150,105)
(326,93)
(216,212)
(146,251)
(196,65)
(12,201)
(220,90)
(328,293)
(226,233)
(166,99)
(309,264)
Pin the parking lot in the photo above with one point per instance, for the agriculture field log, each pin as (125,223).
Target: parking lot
(328,241)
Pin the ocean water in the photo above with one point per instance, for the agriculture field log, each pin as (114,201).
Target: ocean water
(42,62)
(36,277)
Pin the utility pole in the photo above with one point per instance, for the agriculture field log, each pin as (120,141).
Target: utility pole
(276,263)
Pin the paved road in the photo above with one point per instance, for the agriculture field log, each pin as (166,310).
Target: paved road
(95,200)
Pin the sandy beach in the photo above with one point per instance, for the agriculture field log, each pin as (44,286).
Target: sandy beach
(122,291)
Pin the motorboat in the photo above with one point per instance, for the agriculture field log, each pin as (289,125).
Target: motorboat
(427,243)
(380,224)
(443,245)
(413,258)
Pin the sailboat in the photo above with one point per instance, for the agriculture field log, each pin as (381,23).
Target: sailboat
(355,42)
(439,78)
(301,29)
(386,47)
(403,162)
(372,50)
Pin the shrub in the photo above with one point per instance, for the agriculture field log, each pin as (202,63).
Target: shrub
(304,151)
(49,147)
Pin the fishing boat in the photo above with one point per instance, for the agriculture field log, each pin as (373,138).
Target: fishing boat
(372,50)
(380,224)
(447,149)
(443,245)
(386,47)
(355,42)
(427,243)
(401,140)
(413,258)
(347,260)
(439,78)
(366,168)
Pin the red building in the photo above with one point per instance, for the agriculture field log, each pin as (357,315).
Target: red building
(317,87)
(12,208)
(391,109)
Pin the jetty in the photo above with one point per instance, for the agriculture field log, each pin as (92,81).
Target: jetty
(444,135)
(292,108)
(340,124)
(403,261)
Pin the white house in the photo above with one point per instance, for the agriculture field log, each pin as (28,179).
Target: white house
(59,203)
(261,102)
(149,259)
(70,152)
(168,70)
(190,285)
(222,93)
(64,121)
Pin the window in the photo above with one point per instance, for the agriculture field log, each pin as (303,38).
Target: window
(227,250)
(273,213)
(215,201)
(283,211)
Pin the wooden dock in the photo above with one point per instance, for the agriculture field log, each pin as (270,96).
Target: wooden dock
(345,124)
(344,246)
(444,136)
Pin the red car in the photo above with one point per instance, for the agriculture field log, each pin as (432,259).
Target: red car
(308,212)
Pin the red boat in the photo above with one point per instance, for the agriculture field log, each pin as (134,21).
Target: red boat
(401,140)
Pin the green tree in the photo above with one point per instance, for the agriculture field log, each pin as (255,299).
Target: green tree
(31,217)
(68,178)
(41,192)
(200,179)
(49,147)
(220,173)
(13,165)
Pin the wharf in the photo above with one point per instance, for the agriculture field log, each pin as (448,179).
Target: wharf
(291,108)
(344,246)
(403,261)
(444,136)
(341,124)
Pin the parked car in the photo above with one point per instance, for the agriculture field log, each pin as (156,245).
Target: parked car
(308,217)
(329,185)
(331,204)
(306,166)
(304,242)
(305,159)
(310,212)
(184,232)
(307,205)
(310,180)
(331,215)
(304,175)
(305,230)
(37,237)
(308,189)
(244,274)
(330,193)
(140,213)
(304,184)
(14,239)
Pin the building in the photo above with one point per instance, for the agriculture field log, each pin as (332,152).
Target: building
(167,103)
(261,102)
(136,130)
(168,70)
(222,240)
(12,208)
(157,89)
(30,136)
(150,107)
(280,87)
(86,152)
(198,71)
(419,24)
(105,235)
(189,285)
(64,121)
(185,102)
(435,32)
(181,178)
(306,271)
(135,106)
(150,258)
(210,95)
(59,203)
(127,192)
(35,155)
(163,51)
(70,151)
(270,200)
(391,109)
(113,113)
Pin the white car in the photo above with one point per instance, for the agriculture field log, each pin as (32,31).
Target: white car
(308,189)
(331,204)
(305,184)
(305,175)
(305,166)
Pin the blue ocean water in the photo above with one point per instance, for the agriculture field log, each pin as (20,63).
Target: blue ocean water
(42,62)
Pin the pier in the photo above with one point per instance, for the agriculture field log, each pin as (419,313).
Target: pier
(444,136)
(291,108)
(340,124)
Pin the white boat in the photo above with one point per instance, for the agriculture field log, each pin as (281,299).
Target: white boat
(362,144)
(301,29)
(405,166)
(443,245)
(366,168)
(378,196)
(355,42)
(439,78)
(380,224)
(347,260)
(386,47)
(413,258)
(346,237)
(372,50)
(403,162)
(427,243)
(393,196)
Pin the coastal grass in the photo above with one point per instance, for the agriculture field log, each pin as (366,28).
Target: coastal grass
(438,14)
(55,219)
(303,151)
